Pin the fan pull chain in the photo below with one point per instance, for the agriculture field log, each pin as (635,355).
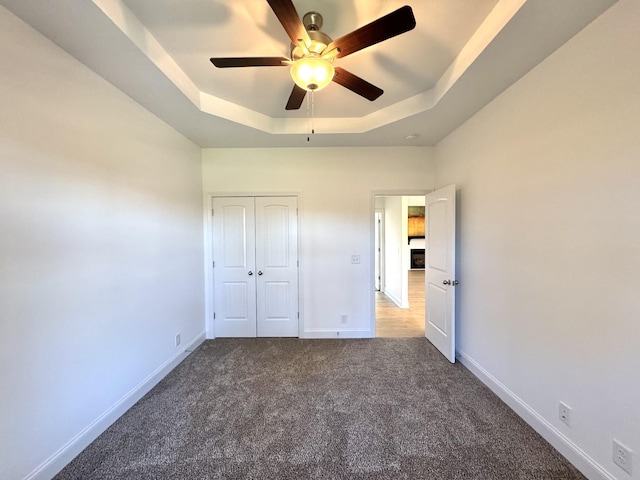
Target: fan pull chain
(310,105)
(309,114)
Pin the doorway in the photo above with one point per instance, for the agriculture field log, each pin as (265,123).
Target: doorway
(399,282)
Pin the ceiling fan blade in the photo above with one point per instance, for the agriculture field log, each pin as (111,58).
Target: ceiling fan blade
(357,84)
(296,98)
(290,20)
(395,23)
(231,62)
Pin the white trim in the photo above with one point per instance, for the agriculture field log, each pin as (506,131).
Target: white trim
(78,443)
(372,264)
(574,454)
(207,203)
(381,245)
(334,333)
(394,299)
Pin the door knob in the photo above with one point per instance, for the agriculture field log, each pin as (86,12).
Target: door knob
(250,273)
(259,272)
(446,282)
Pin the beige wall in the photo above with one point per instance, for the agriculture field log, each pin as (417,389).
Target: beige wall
(549,181)
(336,187)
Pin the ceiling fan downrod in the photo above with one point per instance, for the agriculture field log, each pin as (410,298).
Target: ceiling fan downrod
(312,22)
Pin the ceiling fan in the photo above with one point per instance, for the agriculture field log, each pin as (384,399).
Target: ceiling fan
(313,52)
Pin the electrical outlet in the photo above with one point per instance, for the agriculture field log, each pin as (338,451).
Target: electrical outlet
(343,318)
(564,412)
(177,339)
(355,259)
(622,456)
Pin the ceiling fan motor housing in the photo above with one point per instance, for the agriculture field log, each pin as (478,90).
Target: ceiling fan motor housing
(312,23)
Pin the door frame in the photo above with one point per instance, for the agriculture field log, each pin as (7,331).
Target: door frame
(207,202)
(372,243)
(379,255)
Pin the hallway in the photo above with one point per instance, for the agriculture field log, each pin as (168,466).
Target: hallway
(392,321)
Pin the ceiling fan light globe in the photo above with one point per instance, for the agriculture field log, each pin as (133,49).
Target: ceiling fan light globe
(320,74)
(305,72)
(312,73)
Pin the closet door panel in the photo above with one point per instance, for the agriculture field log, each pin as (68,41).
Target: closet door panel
(277,266)
(234,267)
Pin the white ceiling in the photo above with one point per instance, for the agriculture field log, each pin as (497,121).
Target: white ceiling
(460,56)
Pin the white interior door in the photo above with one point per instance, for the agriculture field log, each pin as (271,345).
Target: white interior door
(255,269)
(234,285)
(440,217)
(277,266)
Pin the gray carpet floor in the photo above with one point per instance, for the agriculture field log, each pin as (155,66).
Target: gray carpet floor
(319,409)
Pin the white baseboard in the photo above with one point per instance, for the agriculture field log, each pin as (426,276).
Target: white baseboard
(394,299)
(73,447)
(574,454)
(327,333)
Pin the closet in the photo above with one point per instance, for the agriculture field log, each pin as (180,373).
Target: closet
(255,266)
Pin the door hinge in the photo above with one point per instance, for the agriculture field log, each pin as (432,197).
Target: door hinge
(214,315)
(213,264)
(212,212)
(297,263)
(298,315)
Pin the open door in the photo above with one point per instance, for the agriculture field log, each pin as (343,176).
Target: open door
(440,267)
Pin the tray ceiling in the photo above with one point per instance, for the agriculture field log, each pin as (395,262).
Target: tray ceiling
(460,56)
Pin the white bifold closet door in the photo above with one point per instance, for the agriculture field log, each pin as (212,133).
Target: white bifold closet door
(255,266)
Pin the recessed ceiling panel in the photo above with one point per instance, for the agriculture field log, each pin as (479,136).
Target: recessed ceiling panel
(192,31)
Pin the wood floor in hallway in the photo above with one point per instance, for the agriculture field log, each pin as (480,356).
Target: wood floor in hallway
(393,321)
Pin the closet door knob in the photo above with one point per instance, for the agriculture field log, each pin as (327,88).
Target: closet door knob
(259,272)
(446,282)
(250,273)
